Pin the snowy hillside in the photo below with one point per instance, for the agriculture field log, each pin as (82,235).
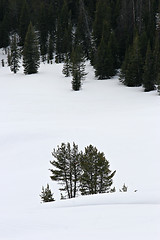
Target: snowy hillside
(40,111)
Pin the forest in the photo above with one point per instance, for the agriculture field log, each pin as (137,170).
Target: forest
(116,36)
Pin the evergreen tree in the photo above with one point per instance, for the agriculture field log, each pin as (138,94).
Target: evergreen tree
(133,67)
(67,65)
(24,22)
(43,31)
(4,32)
(63,33)
(66,168)
(77,67)
(15,55)
(156,57)
(102,15)
(46,194)
(9,57)
(124,188)
(106,56)
(31,52)
(149,76)
(96,176)
(83,30)
(50,48)
(143,41)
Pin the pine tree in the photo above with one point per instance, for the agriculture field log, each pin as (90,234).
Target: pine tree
(46,194)
(31,52)
(124,188)
(143,41)
(149,75)
(83,30)
(66,168)
(43,31)
(77,67)
(96,176)
(66,66)
(15,55)
(63,33)
(132,68)
(102,15)
(50,49)
(24,22)
(105,61)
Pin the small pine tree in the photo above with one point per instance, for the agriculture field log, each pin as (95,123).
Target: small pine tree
(15,55)
(113,190)
(31,57)
(46,194)
(124,188)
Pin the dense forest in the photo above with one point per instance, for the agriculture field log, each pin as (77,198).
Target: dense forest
(112,34)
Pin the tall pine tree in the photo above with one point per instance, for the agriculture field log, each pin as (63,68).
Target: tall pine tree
(31,57)
(77,67)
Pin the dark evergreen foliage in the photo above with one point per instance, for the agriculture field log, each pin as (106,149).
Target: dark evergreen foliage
(132,68)
(14,55)
(77,67)
(149,76)
(67,65)
(66,168)
(24,22)
(88,172)
(46,194)
(31,52)
(43,31)
(96,176)
(108,32)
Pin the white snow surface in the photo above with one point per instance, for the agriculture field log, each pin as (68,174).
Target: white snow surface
(39,112)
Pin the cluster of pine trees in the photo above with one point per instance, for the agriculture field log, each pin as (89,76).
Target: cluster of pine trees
(112,34)
(81,172)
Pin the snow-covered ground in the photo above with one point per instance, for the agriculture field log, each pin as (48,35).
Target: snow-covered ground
(39,112)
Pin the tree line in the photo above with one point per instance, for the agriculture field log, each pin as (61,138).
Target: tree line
(112,34)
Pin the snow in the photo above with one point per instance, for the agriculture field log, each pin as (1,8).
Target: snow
(39,112)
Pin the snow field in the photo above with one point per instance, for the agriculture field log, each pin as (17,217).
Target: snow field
(39,112)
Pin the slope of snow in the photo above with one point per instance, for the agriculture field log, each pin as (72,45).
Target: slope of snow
(40,111)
